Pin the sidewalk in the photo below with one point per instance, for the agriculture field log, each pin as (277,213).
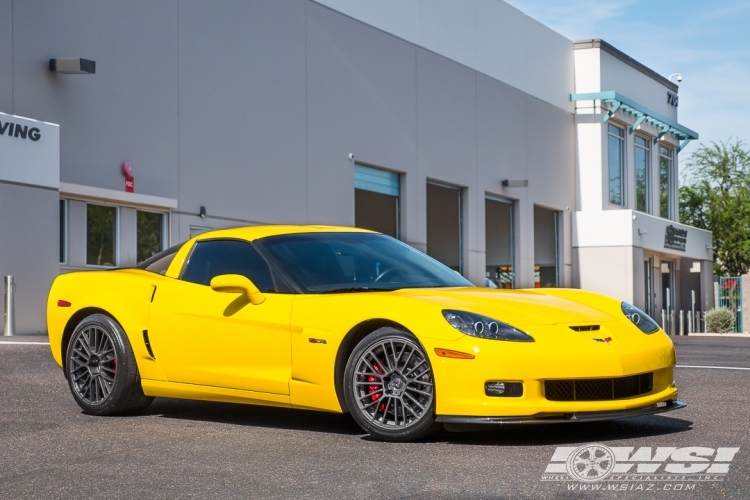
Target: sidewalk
(27,338)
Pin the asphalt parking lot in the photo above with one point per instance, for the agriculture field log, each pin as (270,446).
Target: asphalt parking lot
(187,449)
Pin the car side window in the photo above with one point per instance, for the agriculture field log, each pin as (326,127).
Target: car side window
(213,258)
(160,262)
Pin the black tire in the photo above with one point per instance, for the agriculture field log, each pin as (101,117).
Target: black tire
(389,386)
(101,370)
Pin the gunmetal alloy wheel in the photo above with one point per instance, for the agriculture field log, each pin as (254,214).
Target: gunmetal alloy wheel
(101,369)
(92,365)
(390,386)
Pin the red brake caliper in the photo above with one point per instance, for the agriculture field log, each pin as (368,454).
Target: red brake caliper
(374,387)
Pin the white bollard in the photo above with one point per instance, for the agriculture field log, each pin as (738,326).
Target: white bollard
(10,306)
(682,322)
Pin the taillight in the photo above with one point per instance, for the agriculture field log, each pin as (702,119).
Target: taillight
(63,303)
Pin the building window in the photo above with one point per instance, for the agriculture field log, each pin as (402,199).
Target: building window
(444,225)
(151,234)
(101,235)
(616,164)
(376,200)
(499,242)
(546,248)
(642,174)
(665,181)
(63,232)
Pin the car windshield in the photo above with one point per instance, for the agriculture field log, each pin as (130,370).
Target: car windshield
(354,262)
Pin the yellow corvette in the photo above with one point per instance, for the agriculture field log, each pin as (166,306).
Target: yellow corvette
(346,320)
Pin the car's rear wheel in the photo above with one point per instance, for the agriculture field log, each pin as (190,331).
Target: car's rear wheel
(101,369)
(389,386)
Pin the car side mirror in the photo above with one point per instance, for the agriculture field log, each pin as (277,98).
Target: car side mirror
(235,283)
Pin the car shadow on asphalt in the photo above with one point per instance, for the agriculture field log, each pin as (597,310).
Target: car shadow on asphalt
(334,423)
(568,433)
(254,416)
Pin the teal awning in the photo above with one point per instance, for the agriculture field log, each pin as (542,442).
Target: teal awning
(376,180)
(619,102)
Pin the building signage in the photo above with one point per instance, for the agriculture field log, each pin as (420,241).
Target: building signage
(29,151)
(675,238)
(21,131)
(672,98)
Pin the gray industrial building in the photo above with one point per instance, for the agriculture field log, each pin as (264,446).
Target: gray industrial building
(464,128)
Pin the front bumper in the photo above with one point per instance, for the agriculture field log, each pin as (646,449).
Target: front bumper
(552,418)
(558,353)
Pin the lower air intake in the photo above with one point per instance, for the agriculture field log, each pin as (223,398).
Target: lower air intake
(598,389)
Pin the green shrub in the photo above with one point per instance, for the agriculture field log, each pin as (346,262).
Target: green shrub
(720,320)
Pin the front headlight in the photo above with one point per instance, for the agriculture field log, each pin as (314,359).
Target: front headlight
(639,318)
(480,326)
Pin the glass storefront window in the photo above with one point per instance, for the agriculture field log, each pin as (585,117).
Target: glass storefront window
(648,281)
(150,234)
(665,181)
(616,136)
(546,248)
(642,174)
(444,238)
(499,242)
(101,235)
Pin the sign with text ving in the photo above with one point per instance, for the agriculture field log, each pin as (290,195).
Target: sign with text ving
(29,151)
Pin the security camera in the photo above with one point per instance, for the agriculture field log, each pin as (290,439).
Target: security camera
(351,156)
(679,78)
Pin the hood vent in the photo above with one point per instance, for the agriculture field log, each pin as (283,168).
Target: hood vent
(585,328)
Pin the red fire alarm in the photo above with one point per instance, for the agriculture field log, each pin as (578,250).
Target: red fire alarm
(127,171)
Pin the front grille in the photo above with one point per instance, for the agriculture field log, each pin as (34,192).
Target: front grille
(598,389)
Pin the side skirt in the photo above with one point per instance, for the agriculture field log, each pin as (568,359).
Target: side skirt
(162,389)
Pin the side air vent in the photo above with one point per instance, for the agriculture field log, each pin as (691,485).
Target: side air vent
(148,344)
(585,328)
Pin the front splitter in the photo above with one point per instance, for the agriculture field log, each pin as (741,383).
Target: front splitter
(558,418)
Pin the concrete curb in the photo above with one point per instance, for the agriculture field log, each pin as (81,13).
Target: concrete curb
(732,335)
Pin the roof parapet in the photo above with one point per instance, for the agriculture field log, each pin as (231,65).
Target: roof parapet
(597,43)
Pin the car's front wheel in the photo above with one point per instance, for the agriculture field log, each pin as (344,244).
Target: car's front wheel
(389,386)
(101,369)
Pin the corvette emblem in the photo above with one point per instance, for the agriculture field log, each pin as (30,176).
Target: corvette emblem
(604,340)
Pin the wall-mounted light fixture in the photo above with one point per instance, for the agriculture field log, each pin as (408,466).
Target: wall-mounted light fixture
(73,66)
(518,183)
(202,212)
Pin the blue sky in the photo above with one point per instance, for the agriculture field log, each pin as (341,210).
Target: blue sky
(708,42)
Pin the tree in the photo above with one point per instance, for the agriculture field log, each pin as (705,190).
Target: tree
(718,199)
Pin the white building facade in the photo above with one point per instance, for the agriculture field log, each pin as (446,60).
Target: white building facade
(462,128)
(627,239)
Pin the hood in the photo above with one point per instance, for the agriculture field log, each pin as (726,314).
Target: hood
(515,307)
